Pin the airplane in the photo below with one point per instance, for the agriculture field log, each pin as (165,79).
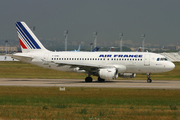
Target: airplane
(139,49)
(77,49)
(96,49)
(104,65)
(111,49)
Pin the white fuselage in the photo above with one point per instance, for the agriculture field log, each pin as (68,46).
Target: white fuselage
(135,62)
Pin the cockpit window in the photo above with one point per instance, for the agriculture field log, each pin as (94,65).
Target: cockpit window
(161,59)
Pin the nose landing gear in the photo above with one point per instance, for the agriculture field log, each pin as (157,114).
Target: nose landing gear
(148,78)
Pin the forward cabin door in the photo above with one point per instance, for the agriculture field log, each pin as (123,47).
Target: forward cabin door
(147,60)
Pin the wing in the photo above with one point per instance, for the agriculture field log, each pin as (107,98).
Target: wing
(82,66)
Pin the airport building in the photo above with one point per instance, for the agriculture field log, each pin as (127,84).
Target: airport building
(171,47)
(9,49)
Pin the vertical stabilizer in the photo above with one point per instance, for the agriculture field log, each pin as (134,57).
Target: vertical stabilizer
(28,41)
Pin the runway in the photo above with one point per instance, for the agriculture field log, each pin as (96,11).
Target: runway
(156,84)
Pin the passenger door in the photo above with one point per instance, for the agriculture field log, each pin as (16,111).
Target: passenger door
(147,60)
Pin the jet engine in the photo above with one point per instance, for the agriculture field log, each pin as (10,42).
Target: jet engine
(127,75)
(108,73)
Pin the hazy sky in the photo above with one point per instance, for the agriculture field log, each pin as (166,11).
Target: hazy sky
(158,19)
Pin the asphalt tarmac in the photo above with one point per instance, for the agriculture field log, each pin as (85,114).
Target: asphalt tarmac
(156,84)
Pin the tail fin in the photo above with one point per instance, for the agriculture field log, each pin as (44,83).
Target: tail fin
(139,49)
(79,48)
(95,49)
(28,41)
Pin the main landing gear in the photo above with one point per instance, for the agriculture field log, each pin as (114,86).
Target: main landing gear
(148,78)
(89,78)
(100,80)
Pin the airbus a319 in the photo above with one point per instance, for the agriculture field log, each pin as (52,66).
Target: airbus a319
(104,65)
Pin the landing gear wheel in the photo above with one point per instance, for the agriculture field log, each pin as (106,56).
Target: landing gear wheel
(149,80)
(100,80)
(88,79)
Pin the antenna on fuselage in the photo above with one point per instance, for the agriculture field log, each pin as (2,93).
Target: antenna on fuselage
(120,44)
(66,35)
(143,39)
(95,38)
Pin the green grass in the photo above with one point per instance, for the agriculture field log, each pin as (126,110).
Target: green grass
(84,103)
(24,70)
(75,103)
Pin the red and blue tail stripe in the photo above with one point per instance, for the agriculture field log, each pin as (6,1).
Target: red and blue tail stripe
(26,39)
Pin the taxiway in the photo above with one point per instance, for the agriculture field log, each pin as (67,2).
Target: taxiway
(156,84)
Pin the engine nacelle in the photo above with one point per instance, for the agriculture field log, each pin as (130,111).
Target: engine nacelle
(127,75)
(108,73)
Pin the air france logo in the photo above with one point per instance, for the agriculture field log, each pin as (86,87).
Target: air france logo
(130,56)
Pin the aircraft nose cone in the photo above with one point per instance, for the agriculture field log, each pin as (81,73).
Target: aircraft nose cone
(171,66)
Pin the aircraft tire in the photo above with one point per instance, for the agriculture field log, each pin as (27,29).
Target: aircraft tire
(100,80)
(88,79)
(149,80)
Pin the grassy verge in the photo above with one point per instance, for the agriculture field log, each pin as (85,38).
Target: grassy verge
(88,103)
(23,70)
